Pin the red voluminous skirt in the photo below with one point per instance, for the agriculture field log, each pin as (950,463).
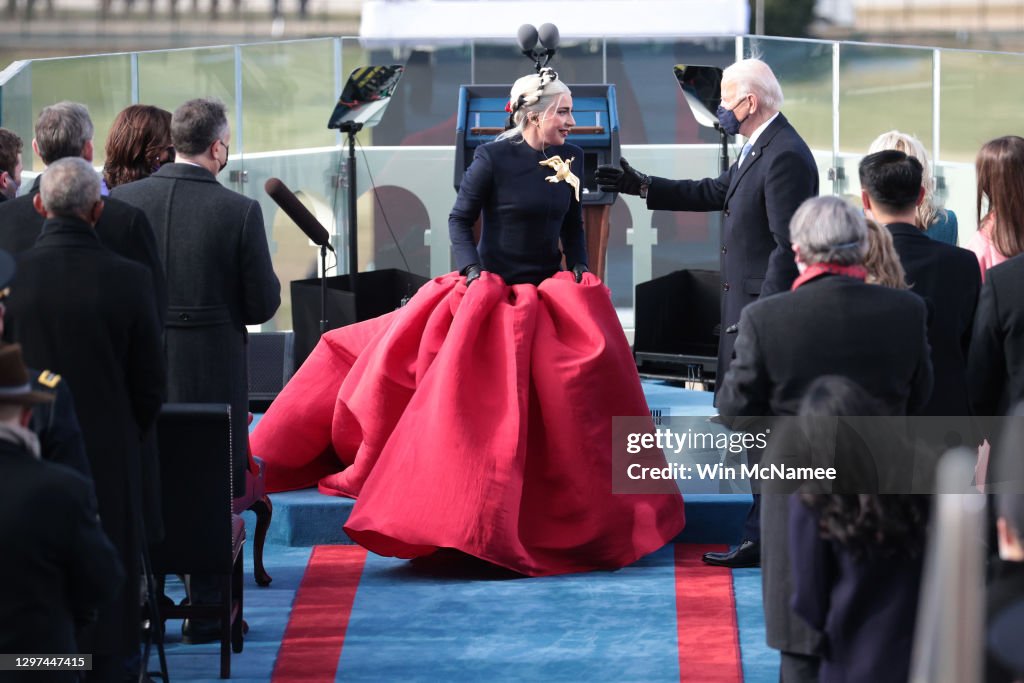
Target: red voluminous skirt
(478,419)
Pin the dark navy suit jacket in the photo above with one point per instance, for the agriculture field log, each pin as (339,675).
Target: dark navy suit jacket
(866,607)
(757,201)
(524,215)
(947,277)
(996,361)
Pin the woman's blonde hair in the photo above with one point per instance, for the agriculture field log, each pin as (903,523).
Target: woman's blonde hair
(536,93)
(929,210)
(882,262)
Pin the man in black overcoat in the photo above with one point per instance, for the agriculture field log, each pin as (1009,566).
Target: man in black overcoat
(996,361)
(65,130)
(833,323)
(59,566)
(946,276)
(757,196)
(88,314)
(220,278)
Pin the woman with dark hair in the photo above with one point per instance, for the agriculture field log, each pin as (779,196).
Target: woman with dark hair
(139,143)
(1000,171)
(478,417)
(857,559)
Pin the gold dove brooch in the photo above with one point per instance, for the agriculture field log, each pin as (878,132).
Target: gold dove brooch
(563,171)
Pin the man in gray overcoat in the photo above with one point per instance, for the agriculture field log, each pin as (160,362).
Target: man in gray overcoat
(213,245)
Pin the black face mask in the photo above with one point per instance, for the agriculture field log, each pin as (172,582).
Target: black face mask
(727,118)
(224,164)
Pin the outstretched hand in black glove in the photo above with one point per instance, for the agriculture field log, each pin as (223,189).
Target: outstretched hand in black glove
(472,273)
(578,271)
(626,179)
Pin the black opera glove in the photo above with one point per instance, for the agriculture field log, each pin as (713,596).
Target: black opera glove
(578,271)
(626,180)
(472,273)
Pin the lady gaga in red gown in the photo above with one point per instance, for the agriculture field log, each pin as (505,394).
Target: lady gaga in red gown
(480,418)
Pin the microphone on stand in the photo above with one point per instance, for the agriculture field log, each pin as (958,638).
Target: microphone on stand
(527,39)
(308,224)
(549,38)
(291,205)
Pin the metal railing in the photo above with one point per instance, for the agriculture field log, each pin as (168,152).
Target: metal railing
(839,95)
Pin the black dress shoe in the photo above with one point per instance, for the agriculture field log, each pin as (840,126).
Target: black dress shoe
(746,554)
(199,631)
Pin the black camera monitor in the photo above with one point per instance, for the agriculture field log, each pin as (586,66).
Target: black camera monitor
(702,88)
(366,95)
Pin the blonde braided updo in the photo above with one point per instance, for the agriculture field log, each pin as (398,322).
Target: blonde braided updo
(533,94)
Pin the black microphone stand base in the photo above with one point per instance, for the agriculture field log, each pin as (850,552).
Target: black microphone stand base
(323,290)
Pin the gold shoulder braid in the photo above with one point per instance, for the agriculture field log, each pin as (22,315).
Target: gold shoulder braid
(49,379)
(563,171)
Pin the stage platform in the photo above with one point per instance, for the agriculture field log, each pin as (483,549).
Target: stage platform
(308,518)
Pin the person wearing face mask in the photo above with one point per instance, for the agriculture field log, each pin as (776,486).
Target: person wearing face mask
(757,196)
(10,164)
(219,278)
(478,418)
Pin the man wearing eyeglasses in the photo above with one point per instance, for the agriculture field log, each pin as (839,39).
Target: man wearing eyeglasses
(219,279)
(757,196)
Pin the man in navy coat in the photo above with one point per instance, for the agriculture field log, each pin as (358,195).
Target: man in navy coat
(757,196)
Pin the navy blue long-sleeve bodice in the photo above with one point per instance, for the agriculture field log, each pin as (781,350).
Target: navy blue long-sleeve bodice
(524,216)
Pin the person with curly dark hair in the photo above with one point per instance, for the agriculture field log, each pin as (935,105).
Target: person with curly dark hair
(857,561)
(139,143)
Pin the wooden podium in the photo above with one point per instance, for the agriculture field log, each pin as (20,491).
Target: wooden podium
(595,229)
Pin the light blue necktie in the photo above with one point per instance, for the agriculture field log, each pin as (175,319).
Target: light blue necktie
(743,154)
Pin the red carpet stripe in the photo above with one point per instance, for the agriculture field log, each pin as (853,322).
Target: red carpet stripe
(316,628)
(709,648)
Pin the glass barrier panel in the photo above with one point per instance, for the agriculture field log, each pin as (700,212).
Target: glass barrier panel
(169,78)
(804,70)
(957,190)
(102,83)
(882,88)
(980,99)
(404,197)
(423,108)
(287,95)
(16,111)
(651,105)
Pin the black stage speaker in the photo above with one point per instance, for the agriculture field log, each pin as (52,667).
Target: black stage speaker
(380,291)
(271,364)
(678,321)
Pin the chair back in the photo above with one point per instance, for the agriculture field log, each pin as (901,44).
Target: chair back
(196,473)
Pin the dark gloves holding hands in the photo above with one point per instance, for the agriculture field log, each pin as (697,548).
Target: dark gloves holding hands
(472,272)
(578,271)
(626,180)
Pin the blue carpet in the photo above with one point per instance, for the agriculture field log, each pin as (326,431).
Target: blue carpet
(760,662)
(453,620)
(266,611)
(429,621)
(449,619)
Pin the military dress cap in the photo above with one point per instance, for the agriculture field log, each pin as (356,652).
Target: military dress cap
(15,388)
